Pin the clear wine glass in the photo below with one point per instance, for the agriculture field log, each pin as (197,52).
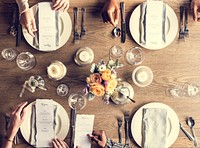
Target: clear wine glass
(62,90)
(77,101)
(190,89)
(116,52)
(134,56)
(26,61)
(9,54)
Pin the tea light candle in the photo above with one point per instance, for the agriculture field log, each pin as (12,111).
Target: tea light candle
(142,76)
(84,56)
(56,70)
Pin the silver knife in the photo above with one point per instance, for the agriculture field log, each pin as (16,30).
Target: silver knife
(123,22)
(73,121)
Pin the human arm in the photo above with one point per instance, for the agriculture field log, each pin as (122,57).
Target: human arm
(60,5)
(17,118)
(110,12)
(195,5)
(100,138)
(57,143)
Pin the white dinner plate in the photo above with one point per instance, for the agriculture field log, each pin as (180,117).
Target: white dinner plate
(65,27)
(172,123)
(62,123)
(171,27)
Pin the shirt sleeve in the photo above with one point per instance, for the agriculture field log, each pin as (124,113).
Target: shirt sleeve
(111,144)
(23,5)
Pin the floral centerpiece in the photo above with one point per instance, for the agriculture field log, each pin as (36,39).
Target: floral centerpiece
(103,80)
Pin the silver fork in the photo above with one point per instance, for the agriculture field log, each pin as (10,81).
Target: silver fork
(76,34)
(119,121)
(126,119)
(83,31)
(181,32)
(186,30)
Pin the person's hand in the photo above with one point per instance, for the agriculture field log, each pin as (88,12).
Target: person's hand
(57,143)
(17,117)
(195,5)
(110,12)
(27,19)
(99,137)
(60,5)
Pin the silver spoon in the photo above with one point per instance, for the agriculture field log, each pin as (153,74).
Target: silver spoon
(116,32)
(191,123)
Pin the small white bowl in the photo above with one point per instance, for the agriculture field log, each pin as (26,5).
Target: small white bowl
(142,76)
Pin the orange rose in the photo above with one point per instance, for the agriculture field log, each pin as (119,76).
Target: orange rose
(97,89)
(105,75)
(94,78)
(111,85)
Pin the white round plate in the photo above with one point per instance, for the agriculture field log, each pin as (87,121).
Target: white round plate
(171,27)
(65,27)
(62,123)
(172,124)
(122,100)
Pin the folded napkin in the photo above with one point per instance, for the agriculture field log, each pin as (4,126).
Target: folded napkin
(154,123)
(47,37)
(152,23)
(43,126)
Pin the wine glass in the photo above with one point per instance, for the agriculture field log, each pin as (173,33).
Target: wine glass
(134,56)
(9,54)
(77,101)
(190,89)
(26,61)
(116,52)
(62,90)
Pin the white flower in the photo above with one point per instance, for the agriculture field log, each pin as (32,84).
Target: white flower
(102,68)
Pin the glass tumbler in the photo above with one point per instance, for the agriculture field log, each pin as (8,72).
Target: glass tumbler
(26,61)
(134,56)
(9,54)
(77,101)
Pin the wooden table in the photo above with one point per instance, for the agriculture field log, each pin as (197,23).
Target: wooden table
(176,64)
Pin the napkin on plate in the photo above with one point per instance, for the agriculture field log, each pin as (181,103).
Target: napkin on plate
(48,35)
(152,23)
(154,124)
(35,139)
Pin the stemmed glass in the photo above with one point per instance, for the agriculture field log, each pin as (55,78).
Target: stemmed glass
(134,56)
(9,54)
(25,61)
(62,90)
(77,101)
(116,52)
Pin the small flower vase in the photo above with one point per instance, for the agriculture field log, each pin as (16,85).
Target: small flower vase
(106,99)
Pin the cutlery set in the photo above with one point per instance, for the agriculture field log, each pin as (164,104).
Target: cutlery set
(190,122)
(78,36)
(126,125)
(184,31)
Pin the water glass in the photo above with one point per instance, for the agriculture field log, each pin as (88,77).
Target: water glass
(134,56)
(26,61)
(190,89)
(77,101)
(62,90)
(116,52)
(9,54)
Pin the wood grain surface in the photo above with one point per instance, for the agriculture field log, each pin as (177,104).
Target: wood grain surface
(174,65)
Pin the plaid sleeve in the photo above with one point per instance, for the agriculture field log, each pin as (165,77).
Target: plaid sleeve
(111,144)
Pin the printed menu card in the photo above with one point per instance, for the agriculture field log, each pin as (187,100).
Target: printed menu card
(154,23)
(84,125)
(47,27)
(45,132)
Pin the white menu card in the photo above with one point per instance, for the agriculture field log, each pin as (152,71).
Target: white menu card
(45,132)
(154,23)
(47,26)
(84,125)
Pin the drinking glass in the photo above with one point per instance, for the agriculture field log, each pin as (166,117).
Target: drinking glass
(26,61)
(116,52)
(190,89)
(9,54)
(175,91)
(77,101)
(62,90)
(134,56)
